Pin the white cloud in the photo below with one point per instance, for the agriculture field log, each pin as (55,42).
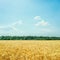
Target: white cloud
(12,25)
(17,22)
(44,27)
(37,18)
(42,23)
(11,28)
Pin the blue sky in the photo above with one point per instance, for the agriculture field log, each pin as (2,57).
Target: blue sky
(30,17)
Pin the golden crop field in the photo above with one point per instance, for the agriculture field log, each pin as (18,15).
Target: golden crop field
(29,50)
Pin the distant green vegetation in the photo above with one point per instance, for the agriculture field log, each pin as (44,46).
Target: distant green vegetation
(28,38)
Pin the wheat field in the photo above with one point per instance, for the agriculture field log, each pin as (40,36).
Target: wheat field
(29,50)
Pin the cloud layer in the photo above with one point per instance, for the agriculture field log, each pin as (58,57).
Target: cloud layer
(40,27)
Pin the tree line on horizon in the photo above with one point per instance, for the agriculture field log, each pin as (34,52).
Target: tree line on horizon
(28,38)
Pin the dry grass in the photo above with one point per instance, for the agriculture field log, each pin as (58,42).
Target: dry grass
(30,50)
